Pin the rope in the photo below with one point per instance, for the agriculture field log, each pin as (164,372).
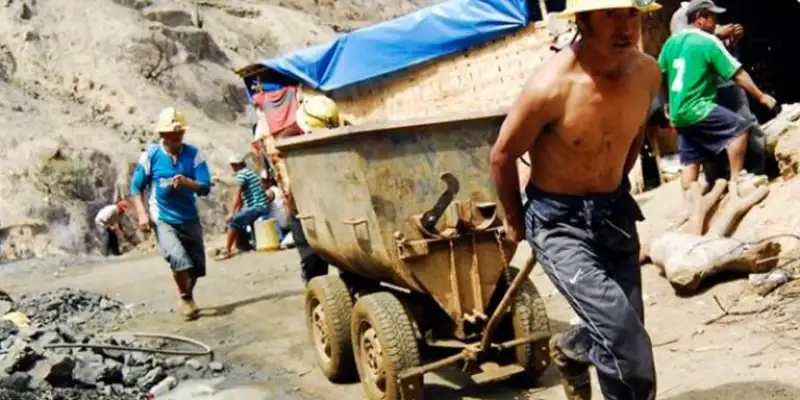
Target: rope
(206,350)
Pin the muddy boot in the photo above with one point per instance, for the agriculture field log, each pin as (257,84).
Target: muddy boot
(574,375)
(189,309)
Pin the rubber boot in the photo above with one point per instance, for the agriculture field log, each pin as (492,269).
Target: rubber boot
(189,309)
(574,375)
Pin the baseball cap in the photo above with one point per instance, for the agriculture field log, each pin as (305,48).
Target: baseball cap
(236,159)
(709,5)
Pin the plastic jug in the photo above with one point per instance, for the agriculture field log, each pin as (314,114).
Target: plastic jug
(19,319)
(266,235)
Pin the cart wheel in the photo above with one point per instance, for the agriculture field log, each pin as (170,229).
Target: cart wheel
(529,316)
(384,344)
(328,310)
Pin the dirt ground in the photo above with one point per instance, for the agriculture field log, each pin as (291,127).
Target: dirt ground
(253,318)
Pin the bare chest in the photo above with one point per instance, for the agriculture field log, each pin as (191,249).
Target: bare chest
(604,118)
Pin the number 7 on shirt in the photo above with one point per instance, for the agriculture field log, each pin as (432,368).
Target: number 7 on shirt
(679,65)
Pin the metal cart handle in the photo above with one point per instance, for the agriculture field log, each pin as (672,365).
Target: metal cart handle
(353,222)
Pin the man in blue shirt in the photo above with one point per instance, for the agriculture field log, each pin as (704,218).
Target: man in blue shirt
(176,173)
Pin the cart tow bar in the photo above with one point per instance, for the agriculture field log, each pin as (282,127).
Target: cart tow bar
(494,320)
(431,217)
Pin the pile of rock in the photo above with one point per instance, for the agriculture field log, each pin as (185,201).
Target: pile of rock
(38,361)
(70,306)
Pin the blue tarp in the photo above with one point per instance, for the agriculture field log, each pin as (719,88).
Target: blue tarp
(403,42)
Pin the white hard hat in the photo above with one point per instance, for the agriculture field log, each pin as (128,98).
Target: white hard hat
(170,120)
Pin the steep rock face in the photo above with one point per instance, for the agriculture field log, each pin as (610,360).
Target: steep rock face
(90,80)
(80,88)
(783,134)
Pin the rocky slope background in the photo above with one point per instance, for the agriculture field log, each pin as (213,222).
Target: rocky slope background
(80,86)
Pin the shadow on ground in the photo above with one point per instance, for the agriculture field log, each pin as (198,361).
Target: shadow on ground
(227,309)
(463,388)
(458,385)
(743,391)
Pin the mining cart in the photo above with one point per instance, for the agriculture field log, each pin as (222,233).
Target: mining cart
(407,213)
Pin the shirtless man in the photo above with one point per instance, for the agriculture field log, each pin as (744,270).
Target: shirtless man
(580,117)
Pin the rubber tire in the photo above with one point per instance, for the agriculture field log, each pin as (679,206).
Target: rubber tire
(395,332)
(334,296)
(529,316)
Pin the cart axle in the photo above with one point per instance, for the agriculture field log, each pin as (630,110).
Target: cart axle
(470,352)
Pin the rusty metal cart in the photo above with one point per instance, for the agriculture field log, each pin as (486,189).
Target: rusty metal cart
(408,214)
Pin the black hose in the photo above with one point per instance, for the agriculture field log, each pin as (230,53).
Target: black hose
(206,350)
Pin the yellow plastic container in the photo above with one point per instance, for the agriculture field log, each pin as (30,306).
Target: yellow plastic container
(266,232)
(19,319)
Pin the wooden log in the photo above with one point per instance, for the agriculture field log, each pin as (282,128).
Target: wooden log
(737,205)
(698,206)
(687,259)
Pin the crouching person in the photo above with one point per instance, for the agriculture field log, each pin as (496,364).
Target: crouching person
(175,174)
(248,204)
(107,222)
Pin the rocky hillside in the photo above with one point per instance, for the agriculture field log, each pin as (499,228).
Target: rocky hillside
(80,88)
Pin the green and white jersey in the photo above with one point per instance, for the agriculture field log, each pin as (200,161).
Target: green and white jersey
(691,62)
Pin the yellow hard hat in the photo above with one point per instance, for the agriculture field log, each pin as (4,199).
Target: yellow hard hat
(318,112)
(578,6)
(170,120)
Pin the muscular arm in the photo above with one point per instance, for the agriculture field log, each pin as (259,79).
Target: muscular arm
(652,77)
(529,114)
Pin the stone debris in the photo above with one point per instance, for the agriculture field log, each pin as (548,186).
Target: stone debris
(31,370)
(71,306)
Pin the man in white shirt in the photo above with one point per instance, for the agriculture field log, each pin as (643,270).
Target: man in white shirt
(278,209)
(107,222)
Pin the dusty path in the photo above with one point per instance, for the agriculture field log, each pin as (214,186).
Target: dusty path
(253,316)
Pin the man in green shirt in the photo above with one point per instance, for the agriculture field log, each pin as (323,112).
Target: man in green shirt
(692,61)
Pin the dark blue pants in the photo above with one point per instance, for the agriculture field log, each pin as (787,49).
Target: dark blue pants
(244,218)
(311,264)
(734,98)
(109,242)
(589,248)
(247,217)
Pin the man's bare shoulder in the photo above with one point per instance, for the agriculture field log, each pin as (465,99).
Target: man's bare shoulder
(550,79)
(647,67)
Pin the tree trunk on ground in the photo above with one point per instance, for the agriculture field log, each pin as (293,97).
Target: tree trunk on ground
(690,252)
